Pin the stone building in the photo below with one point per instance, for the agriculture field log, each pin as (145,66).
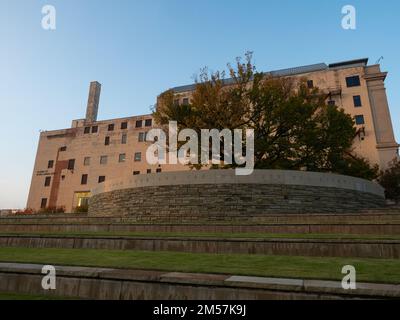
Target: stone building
(72,162)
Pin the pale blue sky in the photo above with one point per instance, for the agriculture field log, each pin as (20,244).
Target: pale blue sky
(137,49)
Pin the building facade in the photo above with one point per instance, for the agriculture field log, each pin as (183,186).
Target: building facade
(72,162)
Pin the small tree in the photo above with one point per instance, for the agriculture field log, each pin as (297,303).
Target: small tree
(390,180)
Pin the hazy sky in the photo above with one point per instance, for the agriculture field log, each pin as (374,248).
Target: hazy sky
(137,49)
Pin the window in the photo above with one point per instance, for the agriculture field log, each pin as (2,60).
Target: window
(86,130)
(63,149)
(71,164)
(62,177)
(47,181)
(124,125)
(103,159)
(107,141)
(43,203)
(353,81)
(359,119)
(136,173)
(124,138)
(95,129)
(148,122)
(111,127)
(86,161)
(158,170)
(50,164)
(102,179)
(357,101)
(148,171)
(138,156)
(331,103)
(176,102)
(122,157)
(142,136)
(139,124)
(310,84)
(185,101)
(84,179)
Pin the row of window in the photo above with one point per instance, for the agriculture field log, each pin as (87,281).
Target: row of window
(353,81)
(124,126)
(124,138)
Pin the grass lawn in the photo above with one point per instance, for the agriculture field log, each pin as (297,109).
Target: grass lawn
(368,270)
(211,235)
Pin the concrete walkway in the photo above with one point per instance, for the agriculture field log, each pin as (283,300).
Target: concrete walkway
(121,284)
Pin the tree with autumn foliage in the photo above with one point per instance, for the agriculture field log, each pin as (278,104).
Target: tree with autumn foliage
(295,128)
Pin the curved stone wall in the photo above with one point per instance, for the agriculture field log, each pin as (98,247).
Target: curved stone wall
(221,195)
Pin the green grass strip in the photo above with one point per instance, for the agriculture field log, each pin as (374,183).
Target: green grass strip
(368,270)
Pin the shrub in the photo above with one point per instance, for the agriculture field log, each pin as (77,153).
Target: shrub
(81,209)
(390,180)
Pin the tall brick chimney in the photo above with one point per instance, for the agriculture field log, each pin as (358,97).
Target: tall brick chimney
(93,102)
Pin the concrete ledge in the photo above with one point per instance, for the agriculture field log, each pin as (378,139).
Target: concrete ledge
(118,284)
(383,249)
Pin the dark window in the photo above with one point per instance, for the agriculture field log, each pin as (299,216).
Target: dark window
(62,149)
(142,136)
(86,130)
(135,173)
(139,124)
(124,125)
(111,127)
(158,170)
(124,138)
(84,179)
(107,141)
(122,157)
(331,103)
(148,122)
(176,102)
(148,170)
(185,101)
(50,164)
(359,119)
(138,156)
(71,164)
(47,181)
(95,129)
(43,203)
(353,81)
(357,101)
(102,179)
(310,84)
(62,177)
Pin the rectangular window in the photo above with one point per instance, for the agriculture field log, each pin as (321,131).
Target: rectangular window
(359,119)
(63,149)
(148,122)
(71,164)
(124,125)
(142,136)
(122,157)
(50,164)
(124,138)
(176,102)
(84,179)
(148,171)
(47,181)
(43,203)
(158,170)
(136,173)
(86,161)
(111,127)
(185,101)
(138,156)
(357,101)
(102,179)
(139,124)
(107,141)
(103,159)
(353,81)
(331,103)
(310,84)
(86,130)
(95,129)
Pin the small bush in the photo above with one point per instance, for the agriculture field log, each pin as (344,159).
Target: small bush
(81,209)
(52,210)
(390,180)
